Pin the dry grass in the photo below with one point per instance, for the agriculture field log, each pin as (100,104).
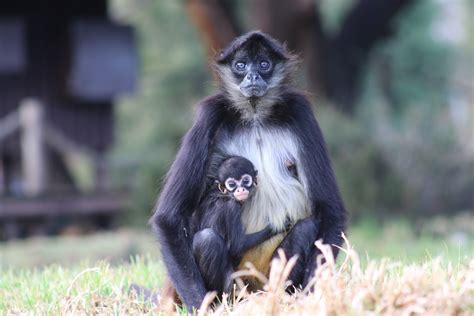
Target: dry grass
(383,288)
(380,288)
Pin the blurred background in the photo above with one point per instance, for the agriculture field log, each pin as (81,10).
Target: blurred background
(95,96)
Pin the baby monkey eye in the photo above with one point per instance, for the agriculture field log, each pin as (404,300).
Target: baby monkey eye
(246,180)
(265,65)
(230,184)
(240,65)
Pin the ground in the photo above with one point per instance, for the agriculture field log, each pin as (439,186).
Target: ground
(395,272)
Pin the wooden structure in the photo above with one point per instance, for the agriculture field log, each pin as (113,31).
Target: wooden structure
(61,65)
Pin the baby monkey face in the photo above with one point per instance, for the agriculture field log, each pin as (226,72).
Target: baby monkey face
(236,178)
(239,188)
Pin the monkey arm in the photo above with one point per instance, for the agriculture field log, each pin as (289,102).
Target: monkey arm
(326,202)
(238,241)
(248,241)
(179,198)
(251,240)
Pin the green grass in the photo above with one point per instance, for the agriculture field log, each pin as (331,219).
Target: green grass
(115,247)
(396,240)
(55,289)
(91,274)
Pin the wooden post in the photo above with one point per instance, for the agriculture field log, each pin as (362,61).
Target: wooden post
(101,180)
(33,153)
(2,175)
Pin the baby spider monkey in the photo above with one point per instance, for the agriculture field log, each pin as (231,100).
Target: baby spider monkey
(218,223)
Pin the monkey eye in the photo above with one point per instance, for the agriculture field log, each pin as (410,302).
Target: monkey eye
(240,66)
(246,180)
(264,65)
(230,184)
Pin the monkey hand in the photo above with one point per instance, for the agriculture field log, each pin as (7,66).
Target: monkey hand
(288,226)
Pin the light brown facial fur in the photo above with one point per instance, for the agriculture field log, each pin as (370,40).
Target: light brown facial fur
(257,107)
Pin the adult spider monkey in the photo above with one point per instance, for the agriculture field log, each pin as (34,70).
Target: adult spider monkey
(257,115)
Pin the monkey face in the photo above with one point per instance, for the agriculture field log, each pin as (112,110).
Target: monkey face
(237,178)
(240,188)
(252,73)
(254,68)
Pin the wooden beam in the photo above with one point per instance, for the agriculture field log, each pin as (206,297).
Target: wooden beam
(10,229)
(111,203)
(2,175)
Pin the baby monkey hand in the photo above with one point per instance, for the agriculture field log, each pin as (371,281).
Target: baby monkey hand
(288,225)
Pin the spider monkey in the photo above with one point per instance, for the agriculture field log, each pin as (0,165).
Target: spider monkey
(259,115)
(218,219)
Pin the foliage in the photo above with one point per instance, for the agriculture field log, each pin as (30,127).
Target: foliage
(419,65)
(420,147)
(363,172)
(405,112)
(333,13)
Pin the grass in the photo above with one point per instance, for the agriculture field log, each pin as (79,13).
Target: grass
(397,240)
(98,288)
(398,273)
(115,247)
(394,240)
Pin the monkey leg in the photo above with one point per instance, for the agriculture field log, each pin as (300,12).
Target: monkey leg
(300,242)
(213,259)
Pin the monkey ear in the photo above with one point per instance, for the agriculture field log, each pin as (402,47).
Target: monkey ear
(255,181)
(211,179)
(221,188)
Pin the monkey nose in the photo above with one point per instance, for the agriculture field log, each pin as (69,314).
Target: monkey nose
(253,77)
(241,194)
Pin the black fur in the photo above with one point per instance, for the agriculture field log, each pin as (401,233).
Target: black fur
(219,238)
(235,167)
(183,191)
(249,42)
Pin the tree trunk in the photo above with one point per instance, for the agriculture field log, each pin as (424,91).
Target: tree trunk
(334,64)
(214,22)
(367,23)
(298,24)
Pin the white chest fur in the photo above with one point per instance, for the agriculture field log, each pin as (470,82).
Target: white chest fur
(279,194)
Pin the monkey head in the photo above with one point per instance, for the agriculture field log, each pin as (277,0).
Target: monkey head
(253,68)
(237,178)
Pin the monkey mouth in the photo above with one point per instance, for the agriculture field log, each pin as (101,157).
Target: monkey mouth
(241,196)
(253,91)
